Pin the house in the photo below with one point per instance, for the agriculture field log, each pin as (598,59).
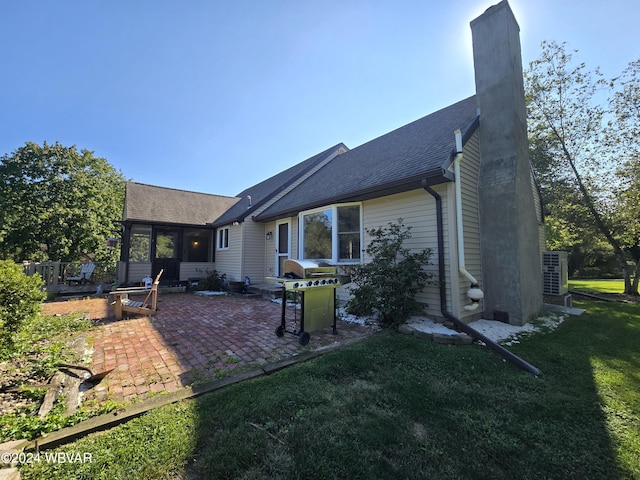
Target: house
(168,229)
(460,177)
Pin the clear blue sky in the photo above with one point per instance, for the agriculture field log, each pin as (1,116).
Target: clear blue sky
(215,96)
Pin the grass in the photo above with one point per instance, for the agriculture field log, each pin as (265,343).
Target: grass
(397,406)
(598,286)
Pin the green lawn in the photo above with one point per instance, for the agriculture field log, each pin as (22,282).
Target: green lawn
(395,407)
(601,286)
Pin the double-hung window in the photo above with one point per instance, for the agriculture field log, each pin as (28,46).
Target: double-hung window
(332,233)
(223,239)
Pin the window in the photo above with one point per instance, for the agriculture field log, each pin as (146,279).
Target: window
(317,234)
(197,245)
(140,243)
(332,233)
(349,233)
(223,238)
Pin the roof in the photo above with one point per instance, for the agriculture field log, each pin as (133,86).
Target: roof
(392,163)
(264,191)
(149,203)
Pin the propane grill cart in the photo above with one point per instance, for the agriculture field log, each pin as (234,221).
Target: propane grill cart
(315,285)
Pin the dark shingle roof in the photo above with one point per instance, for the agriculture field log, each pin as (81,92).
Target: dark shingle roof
(154,204)
(392,163)
(267,189)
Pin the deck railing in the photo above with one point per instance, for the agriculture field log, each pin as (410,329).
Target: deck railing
(55,274)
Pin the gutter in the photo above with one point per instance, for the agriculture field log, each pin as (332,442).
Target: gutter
(459,324)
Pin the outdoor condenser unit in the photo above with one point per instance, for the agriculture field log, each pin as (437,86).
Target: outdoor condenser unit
(555,273)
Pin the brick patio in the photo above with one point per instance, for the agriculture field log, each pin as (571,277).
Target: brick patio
(190,339)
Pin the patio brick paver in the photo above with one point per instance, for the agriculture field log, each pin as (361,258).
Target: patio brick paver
(193,338)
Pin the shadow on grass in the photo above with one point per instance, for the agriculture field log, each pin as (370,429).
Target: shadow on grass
(401,407)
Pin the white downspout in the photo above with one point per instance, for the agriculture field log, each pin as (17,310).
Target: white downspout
(474,293)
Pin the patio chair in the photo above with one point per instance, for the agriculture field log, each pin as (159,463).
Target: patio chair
(85,274)
(122,303)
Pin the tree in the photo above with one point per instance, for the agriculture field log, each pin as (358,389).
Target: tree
(625,135)
(572,133)
(389,283)
(57,203)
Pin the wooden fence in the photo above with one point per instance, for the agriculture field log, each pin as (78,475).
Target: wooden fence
(55,276)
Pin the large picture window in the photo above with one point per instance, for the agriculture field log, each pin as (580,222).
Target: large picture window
(332,234)
(317,234)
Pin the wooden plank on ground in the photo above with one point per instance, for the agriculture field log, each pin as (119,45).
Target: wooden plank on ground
(112,419)
(53,392)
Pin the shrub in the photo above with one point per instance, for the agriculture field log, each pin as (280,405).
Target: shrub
(388,284)
(214,282)
(20,299)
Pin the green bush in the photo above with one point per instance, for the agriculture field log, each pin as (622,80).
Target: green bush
(214,282)
(388,284)
(20,299)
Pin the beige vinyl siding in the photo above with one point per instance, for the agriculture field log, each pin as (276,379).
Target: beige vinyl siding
(137,271)
(195,270)
(229,261)
(269,247)
(469,172)
(417,209)
(253,255)
(542,238)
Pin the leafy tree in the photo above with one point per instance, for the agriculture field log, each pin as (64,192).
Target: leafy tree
(57,203)
(624,136)
(576,154)
(389,283)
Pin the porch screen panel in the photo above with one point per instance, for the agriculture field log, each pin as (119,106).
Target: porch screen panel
(197,246)
(166,245)
(140,244)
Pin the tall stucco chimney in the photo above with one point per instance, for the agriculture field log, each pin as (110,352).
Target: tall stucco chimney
(509,242)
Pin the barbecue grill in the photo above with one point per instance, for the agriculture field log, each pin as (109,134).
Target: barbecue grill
(315,285)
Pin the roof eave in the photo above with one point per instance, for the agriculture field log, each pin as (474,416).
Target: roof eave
(256,206)
(436,176)
(131,221)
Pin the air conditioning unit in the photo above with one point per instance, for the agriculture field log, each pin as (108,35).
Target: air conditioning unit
(555,273)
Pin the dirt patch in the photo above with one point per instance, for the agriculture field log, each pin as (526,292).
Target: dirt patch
(97,308)
(13,372)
